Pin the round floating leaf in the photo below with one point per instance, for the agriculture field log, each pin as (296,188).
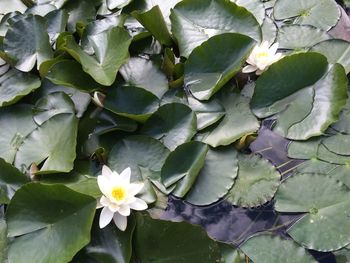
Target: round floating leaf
(256,7)
(256,184)
(269,30)
(14,85)
(323,14)
(326,226)
(207,112)
(144,73)
(193,22)
(175,242)
(216,177)
(314,110)
(16,123)
(111,52)
(300,36)
(173,124)
(51,217)
(27,42)
(336,51)
(69,73)
(338,144)
(52,144)
(304,150)
(112,4)
(57,21)
(51,105)
(10,180)
(266,248)
(3,240)
(144,155)
(80,11)
(237,112)
(132,102)
(286,77)
(183,166)
(326,155)
(207,70)
(342,256)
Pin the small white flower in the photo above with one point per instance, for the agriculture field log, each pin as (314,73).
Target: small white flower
(118,197)
(262,57)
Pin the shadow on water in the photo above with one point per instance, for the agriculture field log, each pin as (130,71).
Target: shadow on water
(234,225)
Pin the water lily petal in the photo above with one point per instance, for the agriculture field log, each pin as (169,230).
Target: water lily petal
(259,72)
(104,185)
(120,221)
(124,210)
(138,204)
(249,69)
(105,217)
(273,49)
(135,188)
(124,177)
(107,172)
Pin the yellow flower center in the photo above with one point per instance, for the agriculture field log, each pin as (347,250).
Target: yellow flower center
(119,193)
(262,55)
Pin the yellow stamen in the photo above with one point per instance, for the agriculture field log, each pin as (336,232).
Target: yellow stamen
(262,55)
(119,193)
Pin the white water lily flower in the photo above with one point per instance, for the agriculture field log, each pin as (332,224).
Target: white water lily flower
(262,57)
(118,197)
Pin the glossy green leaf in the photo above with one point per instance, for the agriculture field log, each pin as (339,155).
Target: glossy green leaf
(338,144)
(323,14)
(207,70)
(154,22)
(336,51)
(300,36)
(191,26)
(145,73)
(112,4)
(305,149)
(183,166)
(57,22)
(256,183)
(14,85)
(144,155)
(52,145)
(111,52)
(53,217)
(175,242)
(256,7)
(287,76)
(325,226)
(10,180)
(27,42)
(132,102)
(3,240)
(16,123)
(216,177)
(238,121)
(267,248)
(342,256)
(172,124)
(311,113)
(69,73)
(79,11)
(269,30)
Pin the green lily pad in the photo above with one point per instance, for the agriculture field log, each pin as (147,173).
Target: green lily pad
(171,245)
(256,184)
(342,256)
(207,112)
(183,166)
(131,102)
(206,70)
(3,240)
(52,144)
(323,14)
(154,22)
(57,22)
(269,30)
(112,4)
(216,177)
(328,156)
(267,248)
(285,77)
(16,123)
(145,73)
(80,11)
(338,144)
(238,121)
(191,26)
(325,226)
(311,113)
(300,37)
(336,51)
(69,73)
(111,52)
(10,180)
(304,150)
(27,42)
(46,216)
(173,124)
(15,84)
(256,7)
(144,155)
(51,105)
